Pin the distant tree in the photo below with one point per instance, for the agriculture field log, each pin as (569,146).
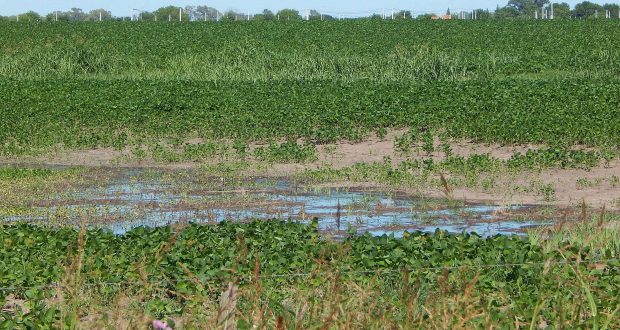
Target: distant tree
(61,15)
(73,15)
(3,18)
(76,15)
(403,14)
(30,16)
(527,7)
(588,9)
(231,15)
(265,15)
(198,13)
(376,17)
(613,8)
(483,14)
(507,12)
(170,13)
(425,16)
(560,10)
(93,15)
(541,3)
(150,16)
(289,15)
(316,16)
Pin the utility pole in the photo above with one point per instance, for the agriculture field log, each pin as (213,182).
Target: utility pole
(392,13)
(56,15)
(205,16)
(180,14)
(552,13)
(99,16)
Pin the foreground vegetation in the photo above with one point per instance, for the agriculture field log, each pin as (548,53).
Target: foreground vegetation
(274,273)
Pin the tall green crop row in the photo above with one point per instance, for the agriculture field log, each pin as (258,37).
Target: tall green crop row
(118,113)
(383,51)
(121,84)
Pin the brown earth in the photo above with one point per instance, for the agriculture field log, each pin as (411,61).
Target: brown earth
(595,186)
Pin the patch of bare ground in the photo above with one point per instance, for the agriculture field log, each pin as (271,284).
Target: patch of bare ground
(376,149)
(560,187)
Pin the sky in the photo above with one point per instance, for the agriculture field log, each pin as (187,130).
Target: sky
(353,7)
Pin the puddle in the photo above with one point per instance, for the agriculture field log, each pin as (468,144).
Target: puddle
(132,199)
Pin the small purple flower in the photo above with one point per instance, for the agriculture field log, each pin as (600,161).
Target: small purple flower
(160,325)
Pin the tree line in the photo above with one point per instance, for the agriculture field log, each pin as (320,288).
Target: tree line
(514,9)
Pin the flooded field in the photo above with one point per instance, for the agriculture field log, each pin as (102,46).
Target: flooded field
(120,200)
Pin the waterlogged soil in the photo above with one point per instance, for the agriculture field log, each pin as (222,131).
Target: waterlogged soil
(601,186)
(122,199)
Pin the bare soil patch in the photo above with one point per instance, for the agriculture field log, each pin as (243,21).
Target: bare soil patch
(596,187)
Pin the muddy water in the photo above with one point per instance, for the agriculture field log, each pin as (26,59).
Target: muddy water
(131,199)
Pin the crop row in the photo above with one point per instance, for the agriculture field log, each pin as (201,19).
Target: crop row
(40,114)
(384,51)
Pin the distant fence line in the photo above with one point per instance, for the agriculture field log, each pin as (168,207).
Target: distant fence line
(314,14)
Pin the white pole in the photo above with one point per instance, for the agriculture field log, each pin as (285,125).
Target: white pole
(99,16)
(383,13)
(169,18)
(392,13)
(552,13)
(536,14)
(205,16)
(180,14)
(596,14)
(17,18)
(56,16)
